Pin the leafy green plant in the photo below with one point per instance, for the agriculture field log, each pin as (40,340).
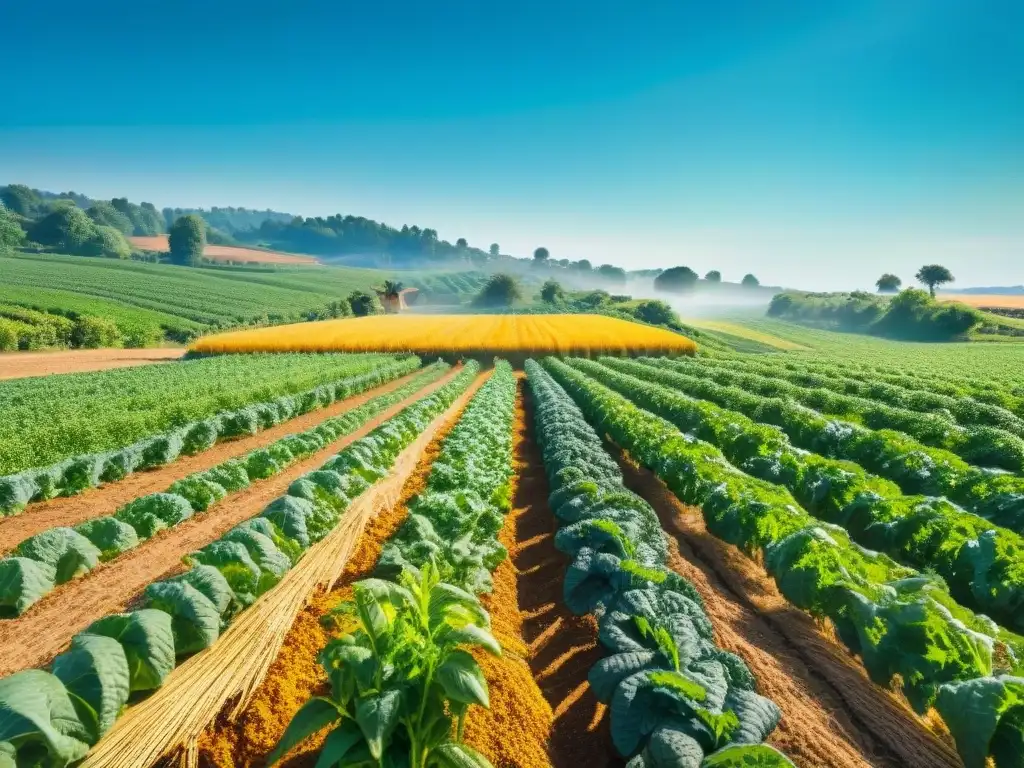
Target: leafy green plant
(402,680)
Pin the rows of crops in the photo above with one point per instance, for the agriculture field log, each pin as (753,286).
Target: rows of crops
(148,301)
(805,515)
(52,717)
(890,512)
(459,335)
(50,419)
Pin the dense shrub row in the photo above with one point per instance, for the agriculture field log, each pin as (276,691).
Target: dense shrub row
(982,563)
(62,712)
(911,315)
(903,623)
(90,470)
(915,467)
(675,697)
(57,555)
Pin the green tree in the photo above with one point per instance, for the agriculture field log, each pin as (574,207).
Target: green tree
(552,292)
(583,265)
(676,280)
(655,312)
(563,262)
(66,228)
(612,273)
(187,239)
(541,255)
(500,290)
(462,244)
(495,251)
(21,200)
(108,242)
(11,233)
(933,275)
(888,283)
(749,281)
(714,276)
(105,214)
(363,304)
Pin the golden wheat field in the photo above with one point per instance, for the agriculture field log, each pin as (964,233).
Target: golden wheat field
(457,334)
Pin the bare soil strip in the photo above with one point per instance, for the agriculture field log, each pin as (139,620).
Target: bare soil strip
(562,647)
(833,715)
(516,730)
(20,365)
(246,731)
(44,630)
(105,500)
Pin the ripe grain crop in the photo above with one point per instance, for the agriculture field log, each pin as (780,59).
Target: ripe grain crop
(458,334)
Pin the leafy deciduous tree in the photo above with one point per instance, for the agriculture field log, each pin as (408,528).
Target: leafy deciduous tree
(749,281)
(11,233)
(552,292)
(500,290)
(541,254)
(187,240)
(714,276)
(933,275)
(676,280)
(888,283)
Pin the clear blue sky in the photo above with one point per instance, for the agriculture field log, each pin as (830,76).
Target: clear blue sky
(813,142)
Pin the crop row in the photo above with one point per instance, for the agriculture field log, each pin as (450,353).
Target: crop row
(88,470)
(58,714)
(58,555)
(903,623)
(982,564)
(980,445)
(676,699)
(406,661)
(942,381)
(915,467)
(965,410)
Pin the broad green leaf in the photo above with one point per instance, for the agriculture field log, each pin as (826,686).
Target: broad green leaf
(607,673)
(195,620)
(22,583)
(315,715)
(148,643)
(670,747)
(973,709)
(95,672)
(470,634)
(35,710)
(67,551)
(338,744)
(377,717)
(463,680)
(455,755)
(747,756)
(8,755)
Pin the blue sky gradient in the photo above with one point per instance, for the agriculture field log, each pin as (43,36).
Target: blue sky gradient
(813,142)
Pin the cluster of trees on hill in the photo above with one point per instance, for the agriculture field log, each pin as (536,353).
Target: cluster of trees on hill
(930,275)
(911,315)
(73,223)
(683,279)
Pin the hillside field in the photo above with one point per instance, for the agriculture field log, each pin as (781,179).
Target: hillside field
(817,551)
(228,253)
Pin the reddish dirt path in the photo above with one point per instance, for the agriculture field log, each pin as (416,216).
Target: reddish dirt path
(833,715)
(19,365)
(562,647)
(238,254)
(95,502)
(516,731)
(295,675)
(44,630)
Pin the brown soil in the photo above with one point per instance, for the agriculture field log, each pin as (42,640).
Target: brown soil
(19,365)
(562,647)
(44,630)
(515,731)
(105,500)
(232,253)
(295,675)
(833,715)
